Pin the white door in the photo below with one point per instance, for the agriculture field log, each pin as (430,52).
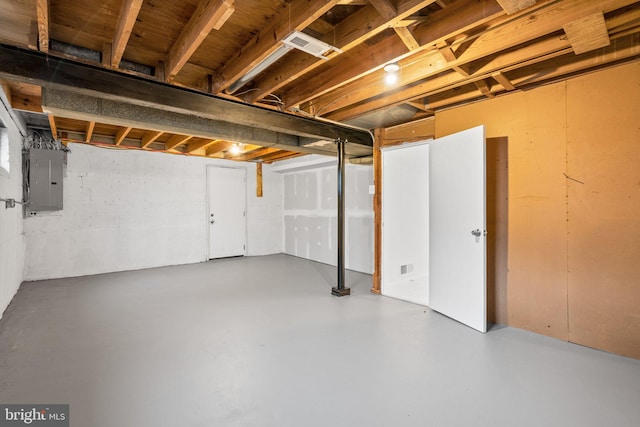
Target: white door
(226,211)
(457,224)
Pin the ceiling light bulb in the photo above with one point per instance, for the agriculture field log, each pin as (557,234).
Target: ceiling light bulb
(235,149)
(391,78)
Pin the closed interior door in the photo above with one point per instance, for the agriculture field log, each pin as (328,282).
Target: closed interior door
(226,211)
(457,224)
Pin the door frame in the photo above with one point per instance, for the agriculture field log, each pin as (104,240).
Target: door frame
(208,172)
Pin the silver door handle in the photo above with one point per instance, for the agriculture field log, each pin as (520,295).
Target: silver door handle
(476,232)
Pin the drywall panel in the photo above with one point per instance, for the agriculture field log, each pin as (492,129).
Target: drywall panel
(310,215)
(534,123)
(126,210)
(603,150)
(405,223)
(11,238)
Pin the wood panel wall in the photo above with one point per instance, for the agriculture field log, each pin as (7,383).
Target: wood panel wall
(574,205)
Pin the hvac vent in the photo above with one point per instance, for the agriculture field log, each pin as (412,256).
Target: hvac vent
(308,44)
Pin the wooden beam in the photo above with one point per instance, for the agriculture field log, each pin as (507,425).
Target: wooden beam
(277,155)
(121,134)
(88,133)
(107,54)
(126,20)
(297,15)
(458,18)
(379,135)
(503,80)
(32,41)
(195,146)
(209,15)
(26,102)
(6,89)
(514,6)
(351,32)
(52,125)
(587,33)
(258,179)
(255,154)
(175,141)
(495,39)
(407,37)
(217,147)
(42,11)
(485,87)
(149,137)
(384,8)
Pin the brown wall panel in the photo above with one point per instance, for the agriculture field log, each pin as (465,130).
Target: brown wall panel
(534,123)
(603,133)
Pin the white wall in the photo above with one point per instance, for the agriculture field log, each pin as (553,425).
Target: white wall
(405,218)
(127,209)
(11,238)
(310,216)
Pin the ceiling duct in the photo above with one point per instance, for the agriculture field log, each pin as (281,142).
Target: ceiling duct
(295,40)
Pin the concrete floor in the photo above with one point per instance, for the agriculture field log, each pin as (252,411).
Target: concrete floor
(261,342)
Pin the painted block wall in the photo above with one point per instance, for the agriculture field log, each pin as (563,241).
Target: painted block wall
(310,216)
(11,236)
(574,203)
(126,210)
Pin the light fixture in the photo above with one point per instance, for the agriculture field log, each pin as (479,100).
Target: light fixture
(295,40)
(391,73)
(236,149)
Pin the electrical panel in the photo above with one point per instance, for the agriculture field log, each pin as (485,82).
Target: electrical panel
(45,179)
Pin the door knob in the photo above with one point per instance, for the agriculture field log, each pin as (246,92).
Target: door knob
(476,232)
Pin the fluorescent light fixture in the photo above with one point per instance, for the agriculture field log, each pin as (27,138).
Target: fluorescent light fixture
(295,40)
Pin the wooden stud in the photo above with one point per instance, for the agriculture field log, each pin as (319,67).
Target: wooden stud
(121,134)
(127,19)
(52,125)
(175,141)
(587,33)
(379,135)
(258,179)
(209,15)
(503,80)
(42,11)
(89,131)
(149,137)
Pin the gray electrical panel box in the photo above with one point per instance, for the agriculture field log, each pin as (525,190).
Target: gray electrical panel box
(45,179)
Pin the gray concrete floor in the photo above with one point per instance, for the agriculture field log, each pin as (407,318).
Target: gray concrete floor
(261,342)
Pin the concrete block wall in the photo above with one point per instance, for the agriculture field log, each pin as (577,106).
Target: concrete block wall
(126,210)
(11,237)
(310,216)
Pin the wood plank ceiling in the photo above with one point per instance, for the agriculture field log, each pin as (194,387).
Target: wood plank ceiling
(448,52)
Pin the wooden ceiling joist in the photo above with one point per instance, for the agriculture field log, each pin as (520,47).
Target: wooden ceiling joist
(175,141)
(514,6)
(210,15)
(198,145)
(217,147)
(42,11)
(52,125)
(255,154)
(357,28)
(121,134)
(88,133)
(149,137)
(126,20)
(298,15)
(443,24)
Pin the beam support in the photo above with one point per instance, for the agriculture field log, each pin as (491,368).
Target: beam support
(340,290)
(258,179)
